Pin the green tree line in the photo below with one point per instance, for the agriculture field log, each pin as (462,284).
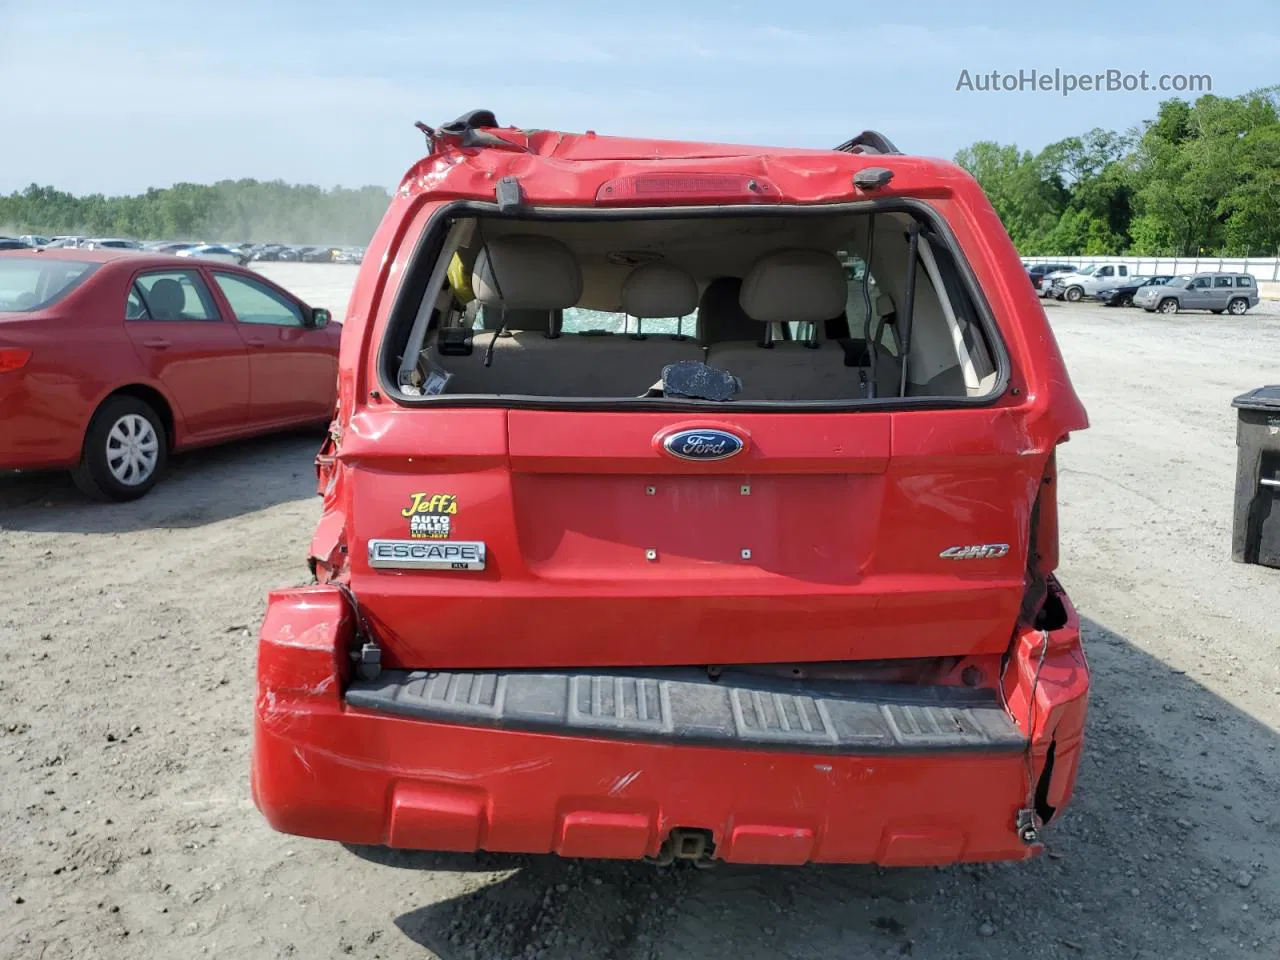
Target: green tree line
(1201,177)
(231,210)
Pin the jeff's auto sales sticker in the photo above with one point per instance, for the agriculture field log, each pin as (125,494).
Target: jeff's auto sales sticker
(430,515)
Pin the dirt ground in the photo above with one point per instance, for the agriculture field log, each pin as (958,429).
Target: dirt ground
(126,828)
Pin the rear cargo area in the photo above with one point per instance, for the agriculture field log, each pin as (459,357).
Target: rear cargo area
(797,308)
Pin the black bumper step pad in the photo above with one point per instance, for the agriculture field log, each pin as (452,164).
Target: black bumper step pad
(682,705)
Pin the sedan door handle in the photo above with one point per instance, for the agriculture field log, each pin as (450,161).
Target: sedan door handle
(255,342)
(157,343)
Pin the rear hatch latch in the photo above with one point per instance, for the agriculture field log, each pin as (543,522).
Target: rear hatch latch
(368,661)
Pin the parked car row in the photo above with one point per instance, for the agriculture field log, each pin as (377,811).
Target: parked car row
(1116,285)
(30,241)
(309,254)
(239,253)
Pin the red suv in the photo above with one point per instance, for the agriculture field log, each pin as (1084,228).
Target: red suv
(110,360)
(683,501)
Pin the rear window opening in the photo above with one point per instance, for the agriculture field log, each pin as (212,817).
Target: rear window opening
(32,283)
(740,309)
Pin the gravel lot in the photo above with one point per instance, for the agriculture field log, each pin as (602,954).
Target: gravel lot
(126,709)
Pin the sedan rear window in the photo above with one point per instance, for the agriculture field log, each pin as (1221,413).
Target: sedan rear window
(31,283)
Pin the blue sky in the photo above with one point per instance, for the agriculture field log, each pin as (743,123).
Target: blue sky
(118,95)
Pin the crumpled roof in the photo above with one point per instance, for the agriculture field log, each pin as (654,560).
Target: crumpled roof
(568,168)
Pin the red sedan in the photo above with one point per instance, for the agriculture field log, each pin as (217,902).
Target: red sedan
(110,360)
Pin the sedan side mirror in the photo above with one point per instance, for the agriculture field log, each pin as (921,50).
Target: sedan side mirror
(320,318)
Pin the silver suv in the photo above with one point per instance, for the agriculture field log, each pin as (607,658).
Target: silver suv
(1231,292)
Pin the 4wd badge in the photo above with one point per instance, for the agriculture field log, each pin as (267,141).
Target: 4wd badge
(430,515)
(978,551)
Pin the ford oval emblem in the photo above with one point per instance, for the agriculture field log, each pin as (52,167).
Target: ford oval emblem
(702,444)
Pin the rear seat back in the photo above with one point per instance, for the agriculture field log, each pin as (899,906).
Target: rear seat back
(721,318)
(629,364)
(543,321)
(523,284)
(804,286)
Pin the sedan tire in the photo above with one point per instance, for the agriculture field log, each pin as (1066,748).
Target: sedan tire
(124,453)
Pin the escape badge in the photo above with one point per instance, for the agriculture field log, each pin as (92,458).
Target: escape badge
(430,515)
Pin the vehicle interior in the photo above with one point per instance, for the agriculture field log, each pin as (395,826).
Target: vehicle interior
(28,283)
(748,309)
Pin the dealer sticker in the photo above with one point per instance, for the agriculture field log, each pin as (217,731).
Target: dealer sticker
(430,515)
(417,555)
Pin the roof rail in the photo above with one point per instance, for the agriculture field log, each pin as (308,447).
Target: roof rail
(868,141)
(471,120)
(468,131)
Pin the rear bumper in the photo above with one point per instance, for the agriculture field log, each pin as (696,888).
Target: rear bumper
(323,768)
(40,425)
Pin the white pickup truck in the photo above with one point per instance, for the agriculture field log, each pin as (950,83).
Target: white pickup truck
(1087,281)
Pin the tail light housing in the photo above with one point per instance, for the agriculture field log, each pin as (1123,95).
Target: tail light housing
(13,358)
(1042,546)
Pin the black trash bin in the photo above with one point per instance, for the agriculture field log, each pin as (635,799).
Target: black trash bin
(1255,533)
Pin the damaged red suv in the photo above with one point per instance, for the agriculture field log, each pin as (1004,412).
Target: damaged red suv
(683,501)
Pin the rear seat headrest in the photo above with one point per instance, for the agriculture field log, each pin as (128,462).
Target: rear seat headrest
(794,285)
(659,290)
(527,272)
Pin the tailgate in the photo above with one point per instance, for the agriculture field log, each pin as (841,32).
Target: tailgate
(827,537)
